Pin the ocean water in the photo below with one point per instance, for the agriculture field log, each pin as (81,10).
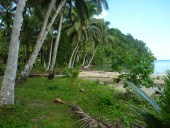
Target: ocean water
(161,66)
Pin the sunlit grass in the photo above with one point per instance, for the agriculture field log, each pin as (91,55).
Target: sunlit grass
(35,107)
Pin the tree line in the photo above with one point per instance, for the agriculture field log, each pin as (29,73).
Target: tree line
(47,33)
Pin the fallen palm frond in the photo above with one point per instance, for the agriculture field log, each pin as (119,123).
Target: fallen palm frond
(88,121)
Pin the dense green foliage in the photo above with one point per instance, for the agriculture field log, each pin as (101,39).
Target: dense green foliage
(89,33)
(133,59)
(160,118)
(130,57)
(35,106)
(84,40)
(166,99)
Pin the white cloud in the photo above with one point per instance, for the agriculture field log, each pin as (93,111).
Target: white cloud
(102,15)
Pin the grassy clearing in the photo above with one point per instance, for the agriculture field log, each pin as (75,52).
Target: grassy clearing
(35,107)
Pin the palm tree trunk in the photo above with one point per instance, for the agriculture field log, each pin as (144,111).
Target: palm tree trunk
(51,74)
(72,55)
(50,54)
(41,58)
(84,59)
(92,57)
(75,55)
(8,83)
(27,52)
(40,41)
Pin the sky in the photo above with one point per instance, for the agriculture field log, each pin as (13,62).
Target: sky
(146,20)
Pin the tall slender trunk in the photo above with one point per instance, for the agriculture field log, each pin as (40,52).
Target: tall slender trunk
(92,57)
(84,59)
(27,52)
(72,55)
(8,83)
(41,58)
(40,41)
(75,55)
(50,54)
(51,74)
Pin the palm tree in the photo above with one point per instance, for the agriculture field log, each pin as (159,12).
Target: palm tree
(51,74)
(80,5)
(105,36)
(80,31)
(50,52)
(8,83)
(29,32)
(88,51)
(44,31)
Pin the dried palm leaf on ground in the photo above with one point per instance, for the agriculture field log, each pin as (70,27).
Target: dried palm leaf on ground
(88,121)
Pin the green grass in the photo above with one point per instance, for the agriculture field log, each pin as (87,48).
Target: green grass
(35,108)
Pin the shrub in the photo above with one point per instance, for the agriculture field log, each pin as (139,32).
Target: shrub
(72,74)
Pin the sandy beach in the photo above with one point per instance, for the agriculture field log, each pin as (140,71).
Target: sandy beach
(107,77)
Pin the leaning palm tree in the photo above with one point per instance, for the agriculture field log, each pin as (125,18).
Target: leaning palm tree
(42,35)
(87,51)
(80,31)
(8,83)
(34,16)
(105,36)
(81,7)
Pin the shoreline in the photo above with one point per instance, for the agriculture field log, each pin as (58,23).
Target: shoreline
(108,76)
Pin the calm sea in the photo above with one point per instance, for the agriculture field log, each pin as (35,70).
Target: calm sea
(161,66)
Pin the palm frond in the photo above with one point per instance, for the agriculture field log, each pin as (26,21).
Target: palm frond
(82,8)
(150,119)
(166,98)
(143,95)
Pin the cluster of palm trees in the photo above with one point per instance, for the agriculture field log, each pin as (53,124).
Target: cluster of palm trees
(33,31)
(62,32)
(69,20)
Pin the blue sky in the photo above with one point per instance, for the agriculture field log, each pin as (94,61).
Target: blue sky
(147,20)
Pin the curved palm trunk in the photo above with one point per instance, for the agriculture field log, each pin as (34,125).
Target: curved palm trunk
(75,55)
(92,57)
(50,54)
(84,59)
(51,74)
(72,55)
(8,83)
(40,41)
